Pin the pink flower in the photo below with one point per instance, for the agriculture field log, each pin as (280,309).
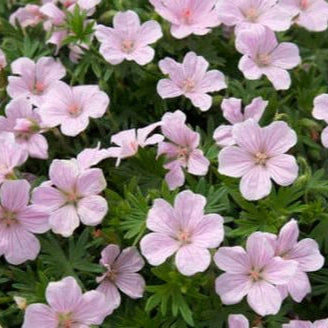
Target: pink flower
(184,230)
(255,272)
(18,223)
(305,252)
(68,307)
(71,107)
(25,124)
(181,152)
(121,274)
(190,79)
(320,112)
(189,16)
(263,55)
(71,196)
(91,156)
(129,141)
(246,14)
(3,60)
(232,112)
(306,324)
(30,15)
(86,5)
(311,14)
(12,156)
(35,79)
(128,40)
(259,156)
(238,321)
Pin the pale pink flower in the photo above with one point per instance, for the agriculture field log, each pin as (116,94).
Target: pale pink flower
(248,13)
(68,307)
(254,272)
(320,112)
(182,151)
(3,60)
(30,15)
(12,156)
(305,252)
(24,122)
(259,156)
(238,321)
(306,324)
(128,40)
(232,112)
(263,55)
(86,5)
(129,141)
(191,79)
(71,196)
(71,107)
(121,274)
(91,156)
(189,16)
(19,222)
(183,229)
(35,79)
(310,14)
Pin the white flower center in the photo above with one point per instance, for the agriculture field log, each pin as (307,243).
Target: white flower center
(261,158)
(263,59)
(127,46)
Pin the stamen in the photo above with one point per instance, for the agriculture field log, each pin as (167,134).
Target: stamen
(263,59)
(184,237)
(252,15)
(261,158)
(188,85)
(74,110)
(187,16)
(127,46)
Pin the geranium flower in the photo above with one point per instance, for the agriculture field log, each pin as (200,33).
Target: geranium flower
(238,321)
(246,14)
(35,79)
(320,112)
(310,14)
(259,156)
(29,15)
(128,40)
(71,196)
(25,124)
(19,222)
(183,229)
(232,112)
(71,107)
(121,274)
(67,308)
(188,17)
(254,272)
(190,79)
(263,55)
(306,324)
(129,141)
(182,151)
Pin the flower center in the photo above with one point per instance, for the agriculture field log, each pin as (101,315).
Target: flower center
(304,4)
(111,275)
(255,275)
(188,85)
(263,59)
(8,217)
(74,110)
(134,145)
(183,154)
(26,125)
(184,237)
(39,87)
(65,320)
(68,3)
(127,46)
(72,197)
(252,15)
(261,158)
(186,16)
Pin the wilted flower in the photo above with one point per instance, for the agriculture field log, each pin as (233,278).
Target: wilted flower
(128,40)
(181,152)
(129,141)
(255,272)
(259,156)
(30,15)
(183,229)
(121,274)
(263,55)
(35,79)
(67,308)
(232,112)
(306,324)
(188,17)
(190,79)
(320,112)
(71,196)
(24,122)
(19,222)
(71,107)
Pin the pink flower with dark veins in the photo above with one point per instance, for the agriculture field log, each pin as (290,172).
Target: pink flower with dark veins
(191,79)
(263,55)
(189,16)
(128,39)
(34,80)
(121,274)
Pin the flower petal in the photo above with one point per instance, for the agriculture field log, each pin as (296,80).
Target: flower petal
(92,209)
(40,315)
(131,284)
